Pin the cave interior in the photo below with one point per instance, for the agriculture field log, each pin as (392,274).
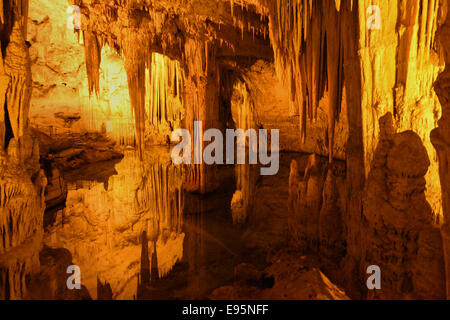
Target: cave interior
(351,98)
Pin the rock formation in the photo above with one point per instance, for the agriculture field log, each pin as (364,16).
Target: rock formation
(440,137)
(350,83)
(410,250)
(22,181)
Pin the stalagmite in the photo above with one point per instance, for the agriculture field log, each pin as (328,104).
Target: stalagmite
(22,184)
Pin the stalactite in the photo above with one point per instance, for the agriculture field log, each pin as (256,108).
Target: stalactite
(306,37)
(135,69)
(201,104)
(243,110)
(166,83)
(18,67)
(160,195)
(92,51)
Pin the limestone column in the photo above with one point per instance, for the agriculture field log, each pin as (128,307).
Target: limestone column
(202,104)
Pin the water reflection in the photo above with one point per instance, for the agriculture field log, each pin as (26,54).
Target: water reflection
(136,233)
(107,227)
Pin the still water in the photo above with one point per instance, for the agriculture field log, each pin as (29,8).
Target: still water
(138,235)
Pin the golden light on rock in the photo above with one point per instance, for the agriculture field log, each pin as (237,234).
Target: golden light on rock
(92,92)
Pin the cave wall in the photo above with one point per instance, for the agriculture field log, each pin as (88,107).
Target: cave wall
(147,68)
(57,68)
(440,137)
(22,182)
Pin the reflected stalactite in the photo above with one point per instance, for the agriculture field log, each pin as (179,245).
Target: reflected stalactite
(103,228)
(145,262)
(160,192)
(16,266)
(154,271)
(22,183)
(195,250)
(104,291)
(244,197)
(148,278)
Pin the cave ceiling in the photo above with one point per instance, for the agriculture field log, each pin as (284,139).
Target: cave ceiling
(166,25)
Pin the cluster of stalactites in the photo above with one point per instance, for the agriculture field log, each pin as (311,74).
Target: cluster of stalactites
(165,92)
(424,13)
(160,195)
(135,69)
(243,112)
(18,13)
(242,20)
(166,85)
(308,45)
(163,89)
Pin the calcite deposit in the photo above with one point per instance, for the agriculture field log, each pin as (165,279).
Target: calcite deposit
(92,91)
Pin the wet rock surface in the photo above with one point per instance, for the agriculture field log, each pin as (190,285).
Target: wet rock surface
(76,97)
(290,276)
